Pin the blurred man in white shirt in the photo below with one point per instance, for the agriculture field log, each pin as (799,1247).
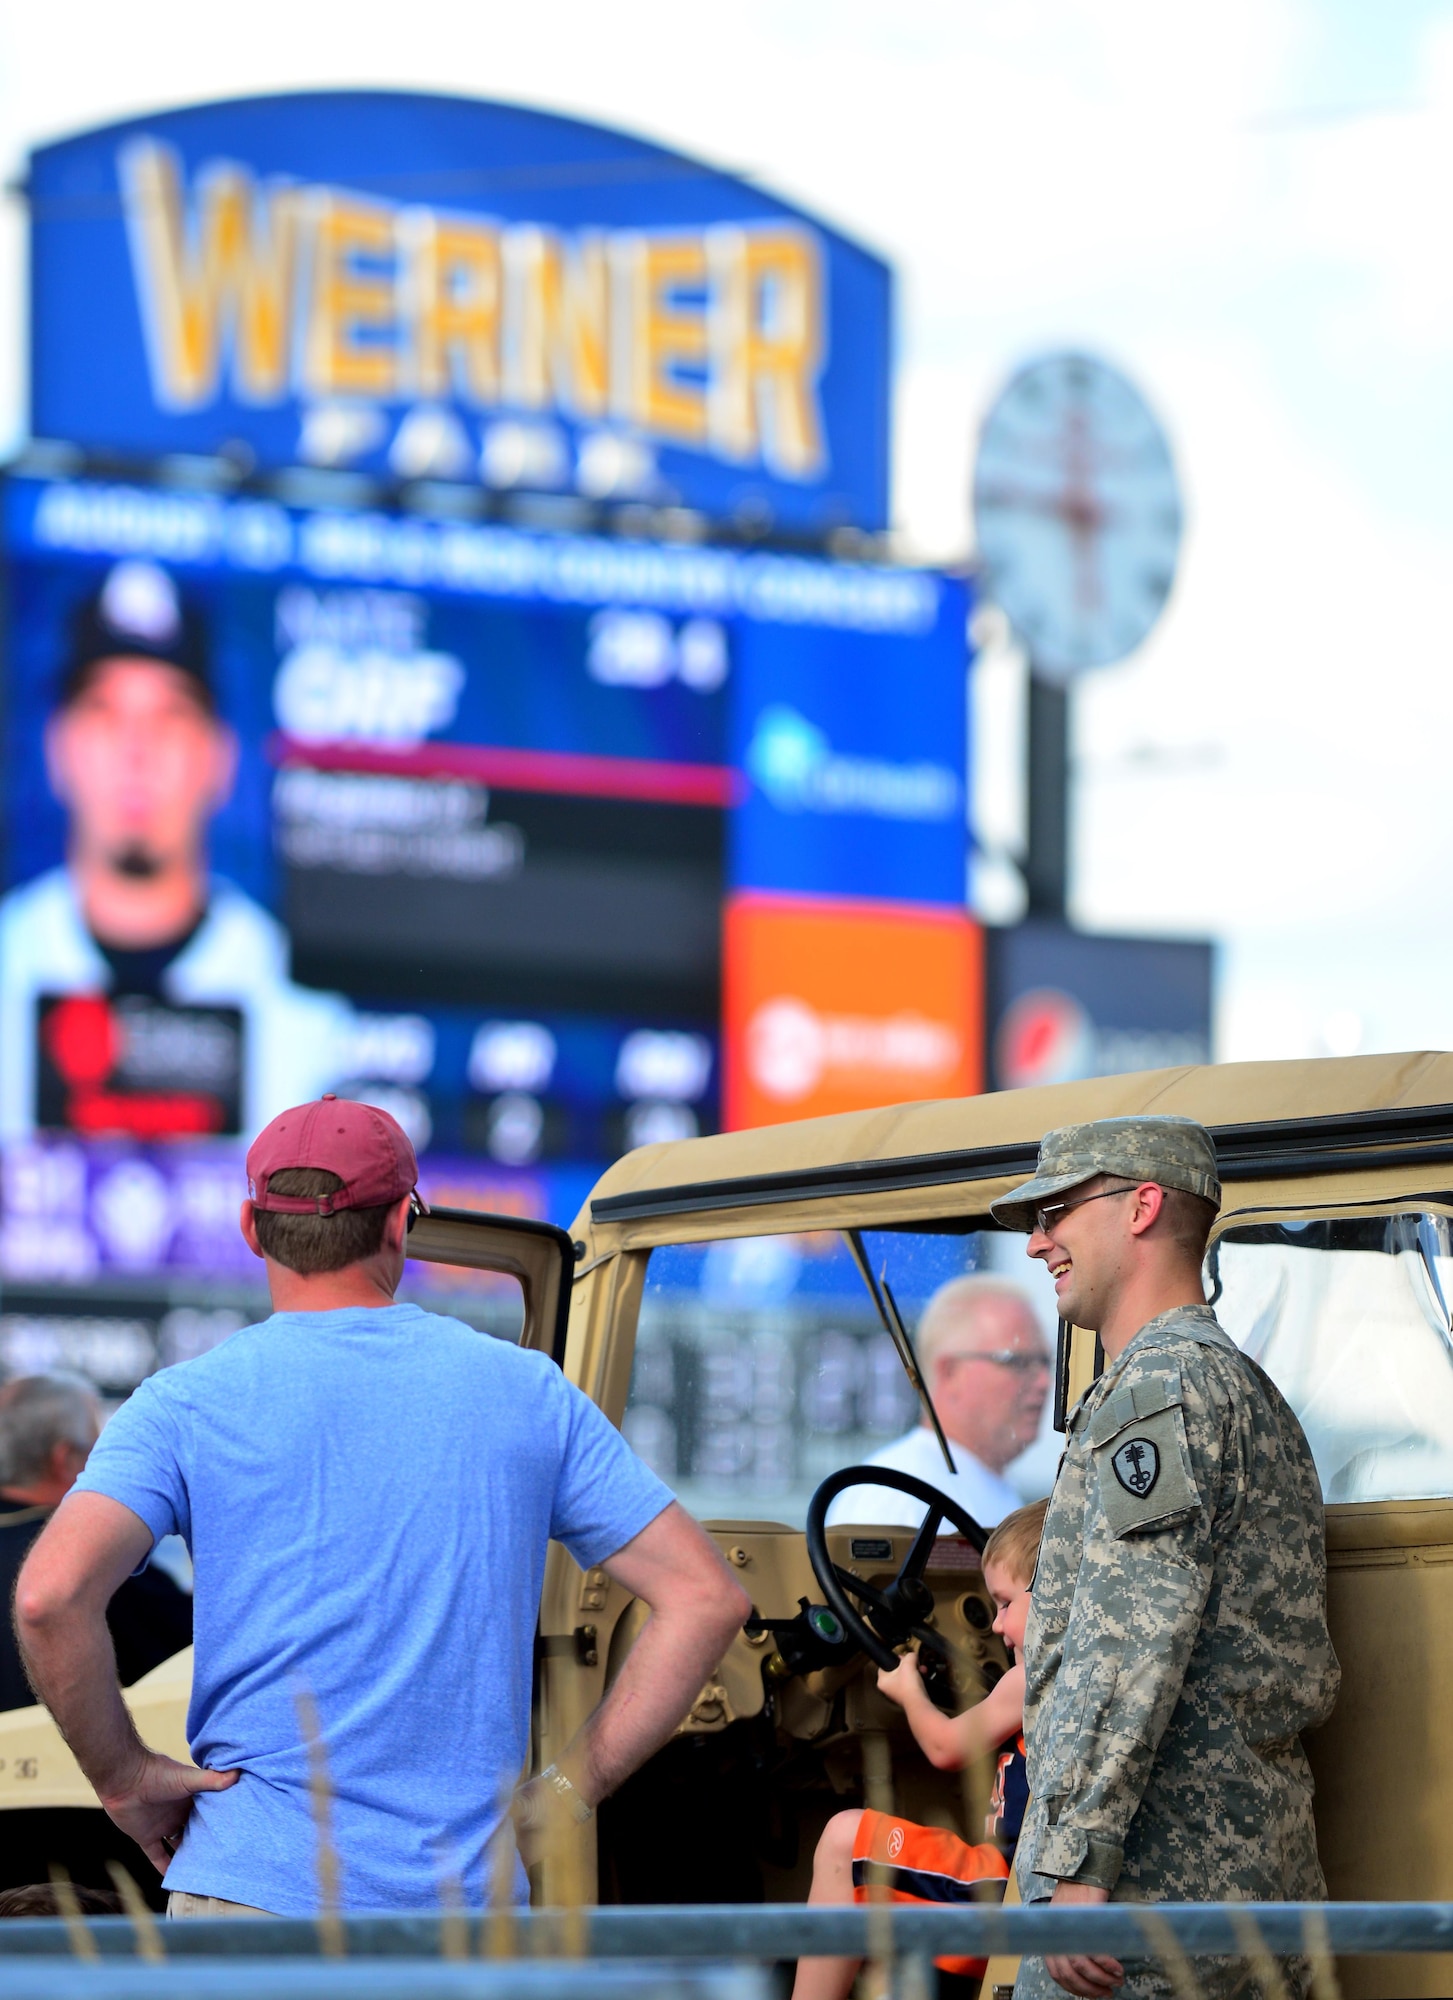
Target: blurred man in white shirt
(988,1371)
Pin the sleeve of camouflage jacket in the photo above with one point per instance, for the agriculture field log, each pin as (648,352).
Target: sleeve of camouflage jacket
(1145,1575)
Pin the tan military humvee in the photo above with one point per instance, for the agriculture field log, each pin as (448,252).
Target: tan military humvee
(726,1304)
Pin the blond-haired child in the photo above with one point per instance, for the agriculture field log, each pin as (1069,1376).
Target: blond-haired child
(925,1864)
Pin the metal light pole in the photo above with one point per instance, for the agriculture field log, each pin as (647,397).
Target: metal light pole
(1047,848)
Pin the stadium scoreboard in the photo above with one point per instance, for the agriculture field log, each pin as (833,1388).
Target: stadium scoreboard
(552,843)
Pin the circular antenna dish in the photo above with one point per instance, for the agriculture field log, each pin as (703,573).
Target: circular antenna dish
(1078,513)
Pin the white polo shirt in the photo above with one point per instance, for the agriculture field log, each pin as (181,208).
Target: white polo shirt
(987,1497)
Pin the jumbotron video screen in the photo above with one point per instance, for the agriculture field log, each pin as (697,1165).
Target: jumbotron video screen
(443,818)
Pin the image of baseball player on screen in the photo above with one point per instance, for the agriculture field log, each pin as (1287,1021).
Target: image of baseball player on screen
(141,992)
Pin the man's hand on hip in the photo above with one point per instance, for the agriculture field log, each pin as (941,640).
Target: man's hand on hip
(80,1557)
(529,1810)
(1090,1978)
(157,1803)
(546,1809)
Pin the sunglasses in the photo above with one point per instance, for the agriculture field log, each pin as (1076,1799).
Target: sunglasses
(1045,1218)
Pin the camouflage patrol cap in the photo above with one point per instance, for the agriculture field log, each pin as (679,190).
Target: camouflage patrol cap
(1172,1152)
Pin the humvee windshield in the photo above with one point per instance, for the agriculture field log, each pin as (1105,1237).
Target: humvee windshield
(1350,1318)
(761,1364)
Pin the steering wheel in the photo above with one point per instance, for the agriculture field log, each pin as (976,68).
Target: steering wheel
(900,1612)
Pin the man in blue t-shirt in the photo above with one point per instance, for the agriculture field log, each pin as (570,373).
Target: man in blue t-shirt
(367,1490)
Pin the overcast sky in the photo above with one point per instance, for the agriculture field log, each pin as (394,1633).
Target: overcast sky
(1245,205)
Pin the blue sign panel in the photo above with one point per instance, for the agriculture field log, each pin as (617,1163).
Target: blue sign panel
(854,759)
(432,288)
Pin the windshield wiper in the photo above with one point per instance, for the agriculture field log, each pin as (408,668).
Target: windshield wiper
(886,1307)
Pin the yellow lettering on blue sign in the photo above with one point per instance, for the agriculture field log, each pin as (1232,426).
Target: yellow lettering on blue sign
(218,279)
(766,325)
(709,338)
(454,306)
(670,332)
(557,337)
(349,350)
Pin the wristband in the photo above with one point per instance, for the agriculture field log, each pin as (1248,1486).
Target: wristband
(556,1779)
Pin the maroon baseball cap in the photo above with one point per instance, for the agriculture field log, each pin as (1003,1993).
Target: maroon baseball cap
(369,1151)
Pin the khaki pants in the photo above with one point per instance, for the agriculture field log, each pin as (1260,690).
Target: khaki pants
(182,1903)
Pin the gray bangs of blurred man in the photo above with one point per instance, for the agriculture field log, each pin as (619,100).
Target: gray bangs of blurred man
(38,1412)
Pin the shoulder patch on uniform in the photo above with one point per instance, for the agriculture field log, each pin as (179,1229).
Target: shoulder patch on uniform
(1137,1466)
(1144,1470)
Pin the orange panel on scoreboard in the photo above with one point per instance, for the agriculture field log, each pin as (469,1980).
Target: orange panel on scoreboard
(836,1006)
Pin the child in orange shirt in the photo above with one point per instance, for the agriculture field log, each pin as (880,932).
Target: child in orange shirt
(925,1864)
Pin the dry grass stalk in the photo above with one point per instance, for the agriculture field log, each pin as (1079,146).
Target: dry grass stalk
(574,1928)
(453,1919)
(976,1777)
(1268,1972)
(1317,1944)
(877,1771)
(913,1977)
(148,1931)
(331,1937)
(877,1977)
(499,1934)
(69,1905)
(570,1878)
(1162,1943)
(562,1882)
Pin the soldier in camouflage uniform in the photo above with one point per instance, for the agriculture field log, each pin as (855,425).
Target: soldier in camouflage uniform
(1178,1643)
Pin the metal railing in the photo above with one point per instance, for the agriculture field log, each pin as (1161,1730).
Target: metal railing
(237,1978)
(695,1952)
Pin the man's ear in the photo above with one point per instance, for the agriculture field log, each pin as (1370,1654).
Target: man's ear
(396,1224)
(247,1223)
(64,1461)
(1147,1205)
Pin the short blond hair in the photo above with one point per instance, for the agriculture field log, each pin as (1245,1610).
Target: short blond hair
(1014,1544)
